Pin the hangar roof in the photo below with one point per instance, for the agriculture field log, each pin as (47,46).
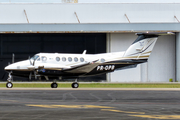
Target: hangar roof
(90,28)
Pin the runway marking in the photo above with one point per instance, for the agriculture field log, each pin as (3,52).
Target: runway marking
(145,116)
(68,106)
(158,116)
(123,111)
(9,100)
(107,108)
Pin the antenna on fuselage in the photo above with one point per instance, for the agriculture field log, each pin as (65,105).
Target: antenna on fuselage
(84,52)
(13,56)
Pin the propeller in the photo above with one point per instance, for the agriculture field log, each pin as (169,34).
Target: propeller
(30,61)
(10,77)
(34,71)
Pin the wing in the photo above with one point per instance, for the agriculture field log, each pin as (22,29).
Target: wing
(76,68)
(82,68)
(51,66)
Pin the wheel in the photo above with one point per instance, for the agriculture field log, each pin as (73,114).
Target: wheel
(9,85)
(75,85)
(54,85)
(72,85)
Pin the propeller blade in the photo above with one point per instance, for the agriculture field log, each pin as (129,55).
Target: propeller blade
(35,75)
(30,61)
(33,62)
(30,75)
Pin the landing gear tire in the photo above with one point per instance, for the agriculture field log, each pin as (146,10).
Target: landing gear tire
(54,85)
(75,85)
(9,85)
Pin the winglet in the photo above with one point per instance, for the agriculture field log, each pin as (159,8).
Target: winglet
(84,52)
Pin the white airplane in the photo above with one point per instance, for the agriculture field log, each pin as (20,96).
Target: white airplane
(57,65)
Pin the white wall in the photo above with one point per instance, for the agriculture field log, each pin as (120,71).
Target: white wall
(160,66)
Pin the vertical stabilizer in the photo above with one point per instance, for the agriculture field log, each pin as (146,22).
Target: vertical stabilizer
(142,47)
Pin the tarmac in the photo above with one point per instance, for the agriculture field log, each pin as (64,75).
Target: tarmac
(89,104)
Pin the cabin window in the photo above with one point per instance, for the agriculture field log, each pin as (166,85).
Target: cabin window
(75,59)
(44,58)
(63,59)
(69,59)
(57,59)
(102,60)
(82,59)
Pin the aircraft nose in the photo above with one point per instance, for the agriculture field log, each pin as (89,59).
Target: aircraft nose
(7,68)
(22,65)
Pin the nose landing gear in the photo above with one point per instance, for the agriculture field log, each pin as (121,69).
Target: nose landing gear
(10,78)
(9,85)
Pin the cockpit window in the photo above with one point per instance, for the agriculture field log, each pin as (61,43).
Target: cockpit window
(38,59)
(35,57)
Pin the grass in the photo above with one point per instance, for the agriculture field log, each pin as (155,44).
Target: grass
(94,85)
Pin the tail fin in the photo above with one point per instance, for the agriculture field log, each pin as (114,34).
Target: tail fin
(142,47)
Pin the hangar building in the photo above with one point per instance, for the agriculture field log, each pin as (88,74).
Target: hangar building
(30,28)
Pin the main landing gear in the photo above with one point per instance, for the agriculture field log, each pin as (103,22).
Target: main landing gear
(54,85)
(9,83)
(73,85)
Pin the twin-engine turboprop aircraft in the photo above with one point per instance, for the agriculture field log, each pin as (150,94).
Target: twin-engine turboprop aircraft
(57,65)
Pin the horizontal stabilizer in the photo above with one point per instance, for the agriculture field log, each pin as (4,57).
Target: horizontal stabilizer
(156,33)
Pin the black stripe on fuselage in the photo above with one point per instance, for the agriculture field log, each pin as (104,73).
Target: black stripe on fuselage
(118,65)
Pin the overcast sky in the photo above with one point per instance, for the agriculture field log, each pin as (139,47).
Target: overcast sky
(92,1)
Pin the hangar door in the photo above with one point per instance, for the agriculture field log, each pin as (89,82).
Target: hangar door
(25,45)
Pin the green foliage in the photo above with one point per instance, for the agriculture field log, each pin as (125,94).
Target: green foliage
(170,80)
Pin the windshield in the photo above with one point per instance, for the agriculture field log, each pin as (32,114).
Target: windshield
(35,57)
